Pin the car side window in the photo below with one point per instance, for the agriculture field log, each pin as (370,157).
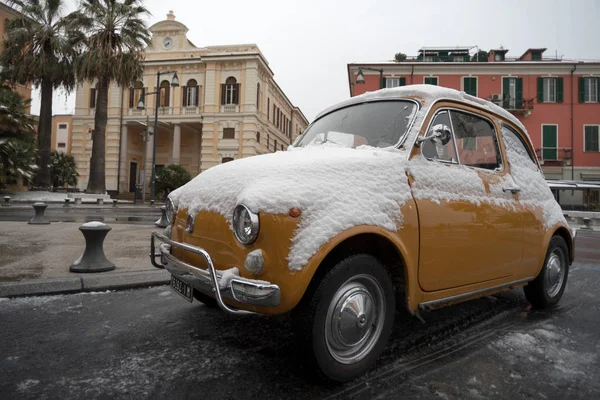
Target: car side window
(436,149)
(516,150)
(476,141)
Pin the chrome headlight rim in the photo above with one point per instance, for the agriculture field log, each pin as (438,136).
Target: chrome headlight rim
(171,211)
(242,210)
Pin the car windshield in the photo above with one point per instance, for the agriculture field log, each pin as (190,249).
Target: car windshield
(376,124)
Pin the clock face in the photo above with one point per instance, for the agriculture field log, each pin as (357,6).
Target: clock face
(168,43)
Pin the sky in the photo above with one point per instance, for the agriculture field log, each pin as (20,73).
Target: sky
(309,43)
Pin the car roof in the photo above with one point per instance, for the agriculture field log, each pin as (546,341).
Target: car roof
(427,94)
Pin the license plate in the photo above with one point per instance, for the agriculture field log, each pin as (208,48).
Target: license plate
(186,291)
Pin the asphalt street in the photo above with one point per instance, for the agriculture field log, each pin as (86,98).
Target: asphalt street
(150,343)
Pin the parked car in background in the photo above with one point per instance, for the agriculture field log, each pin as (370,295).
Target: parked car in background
(405,199)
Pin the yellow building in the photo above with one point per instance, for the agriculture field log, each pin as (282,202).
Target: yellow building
(227,106)
(62,128)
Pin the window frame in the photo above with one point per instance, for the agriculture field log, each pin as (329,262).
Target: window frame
(437,80)
(229,130)
(476,84)
(554,92)
(598,133)
(542,142)
(391,79)
(586,92)
(479,115)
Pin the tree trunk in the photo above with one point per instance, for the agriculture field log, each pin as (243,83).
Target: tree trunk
(42,177)
(97,183)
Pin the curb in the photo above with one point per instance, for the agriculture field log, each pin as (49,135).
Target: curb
(84,283)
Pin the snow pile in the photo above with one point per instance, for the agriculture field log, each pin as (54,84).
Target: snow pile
(93,224)
(535,193)
(336,188)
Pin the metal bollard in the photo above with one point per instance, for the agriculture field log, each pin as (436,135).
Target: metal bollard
(587,222)
(151,203)
(99,202)
(39,218)
(162,221)
(67,203)
(77,201)
(115,201)
(6,201)
(93,258)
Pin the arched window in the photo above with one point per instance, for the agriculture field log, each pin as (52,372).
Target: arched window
(165,93)
(257,137)
(135,93)
(230,91)
(258,97)
(190,93)
(226,159)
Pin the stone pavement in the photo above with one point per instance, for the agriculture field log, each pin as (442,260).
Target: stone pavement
(35,259)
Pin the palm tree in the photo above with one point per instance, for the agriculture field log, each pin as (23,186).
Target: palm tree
(116,39)
(63,170)
(39,48)
(14,119)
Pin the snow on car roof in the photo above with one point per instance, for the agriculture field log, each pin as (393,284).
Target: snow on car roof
(429,94)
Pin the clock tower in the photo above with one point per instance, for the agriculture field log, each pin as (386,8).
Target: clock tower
(169,36)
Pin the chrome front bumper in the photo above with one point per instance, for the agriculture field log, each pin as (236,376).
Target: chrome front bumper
(208,281)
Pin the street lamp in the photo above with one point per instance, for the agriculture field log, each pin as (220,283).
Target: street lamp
(141,106)
(360,77)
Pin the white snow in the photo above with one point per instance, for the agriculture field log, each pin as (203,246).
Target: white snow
(335,187)
(94,224)
(227,276)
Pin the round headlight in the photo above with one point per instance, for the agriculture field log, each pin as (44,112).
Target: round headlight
(170,211)
(245,225)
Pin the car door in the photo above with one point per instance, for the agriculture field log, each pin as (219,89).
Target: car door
(470,230)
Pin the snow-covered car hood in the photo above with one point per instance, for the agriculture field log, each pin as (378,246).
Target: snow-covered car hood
(336,188)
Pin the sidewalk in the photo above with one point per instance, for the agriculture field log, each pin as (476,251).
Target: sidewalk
(35,259)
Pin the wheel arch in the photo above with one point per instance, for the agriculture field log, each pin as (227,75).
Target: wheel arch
(565,233)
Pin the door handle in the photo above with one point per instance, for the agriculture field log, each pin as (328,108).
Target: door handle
(513,189)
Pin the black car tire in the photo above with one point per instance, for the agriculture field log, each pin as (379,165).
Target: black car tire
(548,287)
(329,346)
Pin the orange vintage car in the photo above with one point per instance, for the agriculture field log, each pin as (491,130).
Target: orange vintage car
(403,199)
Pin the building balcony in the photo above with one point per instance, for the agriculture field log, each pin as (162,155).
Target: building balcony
(230,108)
(165,111)
(554,155)
(512,104)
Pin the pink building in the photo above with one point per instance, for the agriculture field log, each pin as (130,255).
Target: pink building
(557,100)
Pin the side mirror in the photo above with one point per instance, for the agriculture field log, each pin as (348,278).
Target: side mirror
(438,133)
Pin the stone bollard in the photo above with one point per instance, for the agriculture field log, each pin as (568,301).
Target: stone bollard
(93,258)
(77,201)
(99,202)
(151,203)
(162,222)
(39,218)
(115,201)
(67,203)
(6,201)
(587,222)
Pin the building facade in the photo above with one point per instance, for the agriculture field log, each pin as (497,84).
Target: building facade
(557,100)
(6,13)
(62,131)
(227,106)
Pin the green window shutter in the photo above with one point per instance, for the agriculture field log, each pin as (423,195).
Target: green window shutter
(549,142)
(505,92)
(581,86)
(540,89)
(559,90)
(519,93)
(470,85)
(591,139)
(402,81)
(382,82)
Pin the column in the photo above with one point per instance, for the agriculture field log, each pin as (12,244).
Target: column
(124,178)
(176,144)
(148,158)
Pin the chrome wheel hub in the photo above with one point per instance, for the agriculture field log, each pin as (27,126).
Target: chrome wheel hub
(555,273)
(355,319)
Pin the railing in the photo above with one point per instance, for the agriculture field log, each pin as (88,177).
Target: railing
(554,153)
(513,104)
(188,110)
(230,108)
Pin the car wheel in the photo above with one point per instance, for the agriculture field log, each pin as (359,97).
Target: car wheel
(547,289)
(207,300)
(345,323)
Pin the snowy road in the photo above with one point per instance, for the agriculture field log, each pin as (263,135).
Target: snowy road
(150,343)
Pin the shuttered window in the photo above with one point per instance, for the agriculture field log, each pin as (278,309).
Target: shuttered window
(549,142)
(395,82)
(230,91)
(512,93)
(592,139)
(550,90)
(470,85)
(588,90)
(430,80)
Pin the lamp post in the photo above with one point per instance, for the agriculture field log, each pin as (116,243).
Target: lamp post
(141,106)
(360,78)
